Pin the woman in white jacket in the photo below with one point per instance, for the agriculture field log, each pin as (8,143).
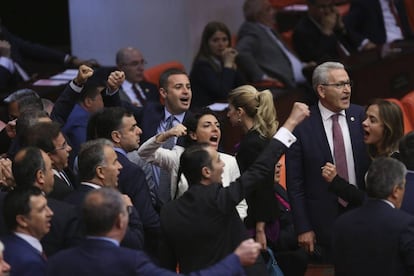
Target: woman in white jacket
(202,127)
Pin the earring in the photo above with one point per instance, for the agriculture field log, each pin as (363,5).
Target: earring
(239,120)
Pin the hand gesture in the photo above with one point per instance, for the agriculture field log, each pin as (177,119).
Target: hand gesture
(299,112)
(229,56)
(6,176)
(248,251)
(84,73)
(176,131)
(329,172)
(115,80)
(307,241)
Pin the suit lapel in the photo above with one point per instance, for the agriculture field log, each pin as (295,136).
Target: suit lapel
(320,134)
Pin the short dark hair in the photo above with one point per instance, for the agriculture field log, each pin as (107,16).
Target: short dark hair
(101,209)
(191,123)
(17,202)
(26,120)
(192,160)
(406,148)
(102,123)
(42,134)
(90,156)
(163,82)
(25,168)
(383,175)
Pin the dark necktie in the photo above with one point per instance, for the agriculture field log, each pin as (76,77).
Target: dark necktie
(394,12)
(339,152)
(65,178)
(164,187)
(138,94)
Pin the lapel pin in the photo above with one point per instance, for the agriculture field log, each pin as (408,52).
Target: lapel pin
(352,119)
(146,90)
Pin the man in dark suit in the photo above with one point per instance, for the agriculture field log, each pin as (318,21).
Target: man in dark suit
(120,127)
(135,89)
(378,223)
(33,167)
(314,208)
(48,137)
(99,167)
(175,91)
(321,35)
(14,52)
(105,218)
(406,156)
(378,21)
(262,54)
(28,217)
(203,226)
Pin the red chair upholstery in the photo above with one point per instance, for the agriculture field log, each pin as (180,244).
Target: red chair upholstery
(409,9)
(408,124)
(153,74)
(408,103)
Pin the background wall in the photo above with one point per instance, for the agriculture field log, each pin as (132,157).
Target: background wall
(163,30)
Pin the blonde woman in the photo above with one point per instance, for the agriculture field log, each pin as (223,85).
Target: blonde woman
(254,112)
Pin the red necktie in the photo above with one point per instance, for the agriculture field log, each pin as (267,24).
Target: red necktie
(138,94)
(339,153)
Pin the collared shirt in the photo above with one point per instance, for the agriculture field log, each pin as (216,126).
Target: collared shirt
(92,185)
(120,150)
(127,87)
(327,124)
(294,61)
(389,203)
(392,30)
(285,136)
(104,239)
(31,240)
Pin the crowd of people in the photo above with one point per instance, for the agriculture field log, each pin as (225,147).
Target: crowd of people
(125,177)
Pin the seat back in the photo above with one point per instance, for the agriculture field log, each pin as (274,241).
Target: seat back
(408,103)
(153,74)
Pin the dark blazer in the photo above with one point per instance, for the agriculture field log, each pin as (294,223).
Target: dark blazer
(202,226)
(374,239)
(134,237)
(60,189)
(259,54)
(314,207)
(150,91)
(365,20)
(408,203)
(150,118)
(211,85)
(262,204)
(64,231)
(23,258)
(132,182)
(21,50)
(312,45)
(100,257)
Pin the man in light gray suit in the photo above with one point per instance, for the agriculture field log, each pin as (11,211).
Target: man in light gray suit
(263,56)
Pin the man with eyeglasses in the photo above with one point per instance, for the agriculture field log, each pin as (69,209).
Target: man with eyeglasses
(135,89)
(48,137)
(333,133)
(321,35)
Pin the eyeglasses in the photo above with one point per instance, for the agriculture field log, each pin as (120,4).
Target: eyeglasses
(136,63)
(63,147)
(339,85)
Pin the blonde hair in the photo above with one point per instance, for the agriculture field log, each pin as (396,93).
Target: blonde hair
(259,106)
